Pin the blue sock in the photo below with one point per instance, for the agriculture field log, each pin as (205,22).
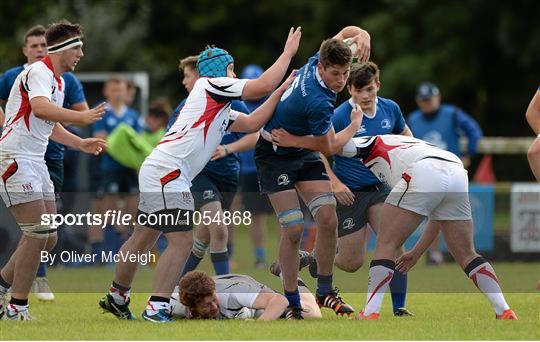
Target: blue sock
(191,263)
(324,284)
(220,260)
(42,270)
(293,298)
(398,288)
(260,254)
(230,249)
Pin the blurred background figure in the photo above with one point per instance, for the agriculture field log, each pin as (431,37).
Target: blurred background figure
(442,125)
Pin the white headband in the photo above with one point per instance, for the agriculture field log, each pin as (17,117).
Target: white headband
(66,44)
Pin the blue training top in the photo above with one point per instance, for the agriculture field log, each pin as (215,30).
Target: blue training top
(387,119)
(306,107)
(444,128)
(73,94)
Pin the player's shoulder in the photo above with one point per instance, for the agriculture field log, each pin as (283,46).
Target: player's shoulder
(13,72)
(388,103)
(414,115)
(70,78)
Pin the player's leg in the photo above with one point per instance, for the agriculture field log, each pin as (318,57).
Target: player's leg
(398,284)
(459,238)
(179,243)
(20,271)
(317,194)
(533,155)
(201,241)
(218,237)
(310,308)
(396,225)
(287,208)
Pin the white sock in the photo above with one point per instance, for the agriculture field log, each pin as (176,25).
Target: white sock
(380,274)
(120,297)
(153,307)
(485,279)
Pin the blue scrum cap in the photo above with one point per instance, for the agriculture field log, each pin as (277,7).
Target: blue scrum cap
(213,62)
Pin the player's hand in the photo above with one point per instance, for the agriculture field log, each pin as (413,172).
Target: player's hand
(93,145)
(466,160)
(363,41)
(282,138)
(288,81)
(405,262)
(343,194)
(293,41)
(219,153)
(92,115)
(357,115)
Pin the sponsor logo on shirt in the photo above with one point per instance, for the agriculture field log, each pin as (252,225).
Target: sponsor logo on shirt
(208,194)
(385,124)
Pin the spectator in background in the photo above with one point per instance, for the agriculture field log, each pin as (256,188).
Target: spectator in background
(533,118)
(34,49)
(253,201)
(118,183)
(442,125)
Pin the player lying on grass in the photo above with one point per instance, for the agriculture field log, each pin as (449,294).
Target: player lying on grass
(426,182)
(235,296)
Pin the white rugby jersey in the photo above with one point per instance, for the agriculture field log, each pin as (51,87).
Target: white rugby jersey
(389,156)
(192,139)
(25,135)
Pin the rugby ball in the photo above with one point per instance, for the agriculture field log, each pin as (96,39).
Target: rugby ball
(352,45)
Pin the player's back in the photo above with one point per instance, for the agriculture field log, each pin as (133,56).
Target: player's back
(389,156)
(236,291)
(192,139)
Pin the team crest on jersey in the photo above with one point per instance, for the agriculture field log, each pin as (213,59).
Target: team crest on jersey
(385,124)
(348,223)
(362,129)
(208,194)
(283,179)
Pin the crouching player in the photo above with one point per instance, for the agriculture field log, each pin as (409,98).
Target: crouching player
(235,296)
(33,112)
(425,181)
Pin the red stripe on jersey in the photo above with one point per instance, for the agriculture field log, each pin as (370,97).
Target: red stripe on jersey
(210,112)
(10,171)
(6,133)
(47,61)
(380,150)
(24,108)
(170,177)
(177,138)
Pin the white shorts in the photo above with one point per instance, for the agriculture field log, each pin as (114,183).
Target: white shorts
(435,188)
(163,188)
(25,180)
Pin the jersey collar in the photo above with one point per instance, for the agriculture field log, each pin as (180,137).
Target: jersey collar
(47,61)
(320,80)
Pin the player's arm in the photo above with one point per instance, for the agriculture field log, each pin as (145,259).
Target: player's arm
(247,142)
(343,194)
(274,304)
(473,132)
(269,80)
(533,113)
(2,116)
(405,262)
(406,131)
(256,120)
(88,145)
(44,109)
(362,39)
(328,144)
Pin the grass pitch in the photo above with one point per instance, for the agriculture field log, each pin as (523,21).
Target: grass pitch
(445,303)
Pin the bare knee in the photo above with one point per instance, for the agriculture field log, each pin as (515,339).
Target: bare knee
(292,235)
(533,154)
(349,265)
(327,219)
